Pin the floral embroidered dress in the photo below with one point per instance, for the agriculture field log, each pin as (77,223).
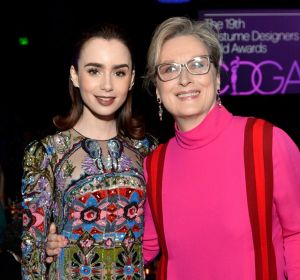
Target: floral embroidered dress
(94,191)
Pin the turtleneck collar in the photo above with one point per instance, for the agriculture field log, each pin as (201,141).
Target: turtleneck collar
(205,132)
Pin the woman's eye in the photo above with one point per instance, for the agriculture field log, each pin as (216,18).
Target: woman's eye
(173,68)
(169,68)
(196,65)
(120,73)
(93,71)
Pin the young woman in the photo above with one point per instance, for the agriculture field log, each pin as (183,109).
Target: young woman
(88,178)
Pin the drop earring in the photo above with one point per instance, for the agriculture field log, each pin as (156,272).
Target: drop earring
(160,109)
(219,102)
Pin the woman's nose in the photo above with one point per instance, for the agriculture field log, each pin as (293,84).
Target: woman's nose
(106,82)
(184,76)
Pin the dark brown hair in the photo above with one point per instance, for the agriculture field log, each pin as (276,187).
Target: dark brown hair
(127,125)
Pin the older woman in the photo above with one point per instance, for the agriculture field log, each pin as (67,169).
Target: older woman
(223,203)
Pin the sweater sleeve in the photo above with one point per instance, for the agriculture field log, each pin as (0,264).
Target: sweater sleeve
(286,161)
(150,239)
(37,189)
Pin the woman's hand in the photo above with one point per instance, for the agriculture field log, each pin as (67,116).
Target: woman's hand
(54,244)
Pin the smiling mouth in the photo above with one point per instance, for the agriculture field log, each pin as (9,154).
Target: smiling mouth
(105,101)
(187,94)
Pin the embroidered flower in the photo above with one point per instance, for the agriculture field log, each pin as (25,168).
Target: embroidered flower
(128,266)
(89,166)
(131,211)
(85,267)
(90,215)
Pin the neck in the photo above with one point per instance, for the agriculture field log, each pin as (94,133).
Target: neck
(96,128)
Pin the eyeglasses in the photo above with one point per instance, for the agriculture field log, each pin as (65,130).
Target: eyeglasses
(197,66)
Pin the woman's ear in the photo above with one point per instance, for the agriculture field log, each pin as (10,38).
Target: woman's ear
(157,94)
(218,81)
(74,77)
(132,79)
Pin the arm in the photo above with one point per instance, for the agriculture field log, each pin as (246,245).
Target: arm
(286,161)
(37,187)
(150,238)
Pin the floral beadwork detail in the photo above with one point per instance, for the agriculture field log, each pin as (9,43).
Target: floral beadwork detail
(86,267)
(95,192)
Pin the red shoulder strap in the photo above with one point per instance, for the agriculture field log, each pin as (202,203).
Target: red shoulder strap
(259,183)
(154,166)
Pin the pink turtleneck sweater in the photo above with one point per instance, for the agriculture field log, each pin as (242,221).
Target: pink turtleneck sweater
(205,212)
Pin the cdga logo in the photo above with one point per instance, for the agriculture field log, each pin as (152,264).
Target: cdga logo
(244,77)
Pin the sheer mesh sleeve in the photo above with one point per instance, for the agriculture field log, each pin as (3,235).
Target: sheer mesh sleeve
(37,189)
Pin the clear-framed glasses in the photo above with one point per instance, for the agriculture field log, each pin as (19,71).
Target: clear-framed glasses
(198,65)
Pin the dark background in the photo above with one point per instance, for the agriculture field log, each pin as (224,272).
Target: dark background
(35,77)
(39,72)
